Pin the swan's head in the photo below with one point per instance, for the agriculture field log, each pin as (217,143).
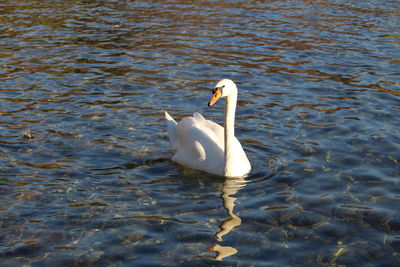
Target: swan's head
(224,87)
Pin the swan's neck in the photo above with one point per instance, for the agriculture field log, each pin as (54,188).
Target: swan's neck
(229,131)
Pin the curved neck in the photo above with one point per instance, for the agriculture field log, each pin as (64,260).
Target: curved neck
(229,131)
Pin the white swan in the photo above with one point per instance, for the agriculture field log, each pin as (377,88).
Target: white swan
(200,144)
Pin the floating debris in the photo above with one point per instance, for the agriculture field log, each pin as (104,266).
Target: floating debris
(28,135)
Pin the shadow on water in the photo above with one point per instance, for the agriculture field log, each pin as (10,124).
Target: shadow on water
(230,187)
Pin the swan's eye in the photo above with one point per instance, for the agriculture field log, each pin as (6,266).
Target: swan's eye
(218,88)
(222,89)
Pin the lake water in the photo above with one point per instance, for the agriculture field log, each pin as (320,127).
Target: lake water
(86,176)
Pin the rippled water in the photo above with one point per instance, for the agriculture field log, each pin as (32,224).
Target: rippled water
(86,176)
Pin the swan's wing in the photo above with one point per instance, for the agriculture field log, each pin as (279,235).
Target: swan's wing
(197,148)
(216,132)
(213,130)
(171,128)
(190,156)
(198,117)
(199,144)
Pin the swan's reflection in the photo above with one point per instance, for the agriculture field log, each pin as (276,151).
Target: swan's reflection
(230,187)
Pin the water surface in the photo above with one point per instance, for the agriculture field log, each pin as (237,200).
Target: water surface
(86,176)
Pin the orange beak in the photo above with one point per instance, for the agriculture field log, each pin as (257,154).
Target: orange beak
(215,97)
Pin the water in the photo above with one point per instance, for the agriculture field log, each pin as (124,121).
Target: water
(86,176)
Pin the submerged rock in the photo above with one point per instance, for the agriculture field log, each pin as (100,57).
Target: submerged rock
(308,219)
(329,230)
(394,222)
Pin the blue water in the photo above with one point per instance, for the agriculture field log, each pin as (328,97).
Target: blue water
(86,177)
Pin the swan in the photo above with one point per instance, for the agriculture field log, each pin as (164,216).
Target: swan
(205,145)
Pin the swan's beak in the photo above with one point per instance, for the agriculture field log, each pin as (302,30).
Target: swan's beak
(217,94)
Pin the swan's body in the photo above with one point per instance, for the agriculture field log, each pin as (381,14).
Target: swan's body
(200,143)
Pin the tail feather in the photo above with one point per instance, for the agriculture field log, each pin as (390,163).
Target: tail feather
(171,129)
